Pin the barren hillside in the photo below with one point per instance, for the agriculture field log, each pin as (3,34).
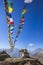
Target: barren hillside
(20,61)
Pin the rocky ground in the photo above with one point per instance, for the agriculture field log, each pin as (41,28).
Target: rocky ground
(20,61)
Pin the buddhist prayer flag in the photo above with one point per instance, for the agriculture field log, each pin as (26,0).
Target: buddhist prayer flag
(22,20)
(11,27)
(9,4)
(24,11)
(10,19)
(9,15)
(27,1)
(10,10)
(10,22)
(11,32)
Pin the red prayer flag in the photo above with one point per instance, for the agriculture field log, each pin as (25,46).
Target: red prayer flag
(22,21)
(11,23)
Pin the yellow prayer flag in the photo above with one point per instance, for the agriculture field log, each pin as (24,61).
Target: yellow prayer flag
(24,11)
(10,10)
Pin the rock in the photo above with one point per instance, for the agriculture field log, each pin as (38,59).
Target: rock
(22,61)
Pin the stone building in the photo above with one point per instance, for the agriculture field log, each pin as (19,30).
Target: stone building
(24,53)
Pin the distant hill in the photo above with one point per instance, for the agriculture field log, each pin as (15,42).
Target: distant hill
(35,51)
(1,50)
(14,53)
(38,53)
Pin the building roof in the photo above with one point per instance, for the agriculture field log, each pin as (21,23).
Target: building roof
(23,50)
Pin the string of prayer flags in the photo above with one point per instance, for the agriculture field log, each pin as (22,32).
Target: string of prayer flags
(9,9)
(10,4)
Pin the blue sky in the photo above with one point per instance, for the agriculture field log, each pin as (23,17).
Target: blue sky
(31,36)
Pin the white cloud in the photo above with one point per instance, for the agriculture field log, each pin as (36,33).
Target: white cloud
(31,44)
(28,1)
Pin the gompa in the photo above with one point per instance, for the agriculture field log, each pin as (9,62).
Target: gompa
(24,53)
